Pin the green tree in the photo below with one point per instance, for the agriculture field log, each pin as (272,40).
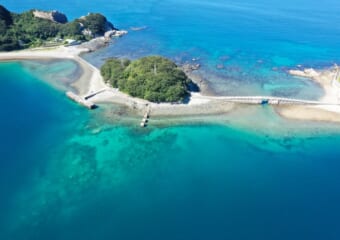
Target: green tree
(32,31)
(113,70)
(71,29)
(5,16)
(8,42)
(95,22)
(3,27)
(153,78)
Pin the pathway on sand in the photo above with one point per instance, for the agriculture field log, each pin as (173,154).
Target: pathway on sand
(92,86)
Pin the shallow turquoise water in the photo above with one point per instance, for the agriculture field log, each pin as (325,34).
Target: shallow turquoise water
(255,41)
(67,173)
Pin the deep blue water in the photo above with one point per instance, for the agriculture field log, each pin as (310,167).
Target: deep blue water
(255,41)
(66,173)
(69,174)
(32,124)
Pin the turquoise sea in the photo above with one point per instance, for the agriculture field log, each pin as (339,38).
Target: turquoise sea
(67,173)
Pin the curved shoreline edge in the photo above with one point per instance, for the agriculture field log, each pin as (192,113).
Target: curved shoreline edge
(91,81)
(326,80)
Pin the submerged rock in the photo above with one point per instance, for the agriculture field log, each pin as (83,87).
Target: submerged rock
(224,58)
(308,72)
(138,28)
(190,67)
(219,66)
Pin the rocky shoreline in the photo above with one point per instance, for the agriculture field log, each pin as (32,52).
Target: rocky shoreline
(103,41)
(199,103)
(327,113)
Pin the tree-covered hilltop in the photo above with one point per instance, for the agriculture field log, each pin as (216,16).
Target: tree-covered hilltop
(33,28)
(153,78)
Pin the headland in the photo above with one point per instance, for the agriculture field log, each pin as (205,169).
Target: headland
(95,31)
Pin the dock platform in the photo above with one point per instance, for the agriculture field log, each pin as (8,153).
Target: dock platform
(86,103)
(145,119)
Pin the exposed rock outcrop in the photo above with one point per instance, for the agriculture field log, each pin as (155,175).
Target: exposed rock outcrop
(96,25)
(114,33)
(53,16)
(187,67)
(308,72)
(94,44)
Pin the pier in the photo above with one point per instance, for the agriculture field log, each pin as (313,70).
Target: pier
(82,101)
(145,118)
(92,94)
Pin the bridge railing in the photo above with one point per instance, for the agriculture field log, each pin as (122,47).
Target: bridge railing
(273,100)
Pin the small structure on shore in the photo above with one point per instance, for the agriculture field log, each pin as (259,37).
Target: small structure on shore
(80,100)
(145,118)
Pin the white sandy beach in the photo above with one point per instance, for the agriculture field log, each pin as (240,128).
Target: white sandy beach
(328,113)
(91,81)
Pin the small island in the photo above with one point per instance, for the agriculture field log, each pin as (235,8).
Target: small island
(153,78)
(151,85)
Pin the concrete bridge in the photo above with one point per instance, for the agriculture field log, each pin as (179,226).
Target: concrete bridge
(271,100)
(259,100)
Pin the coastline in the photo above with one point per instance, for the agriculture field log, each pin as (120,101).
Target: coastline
(326,113)
(91,81)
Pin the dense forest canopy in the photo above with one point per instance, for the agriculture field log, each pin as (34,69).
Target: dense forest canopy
(153,78)
(94,22)
(5,16)
(25,30)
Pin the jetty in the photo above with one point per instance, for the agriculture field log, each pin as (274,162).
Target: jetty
(145,118)
(82,101)
(92,94)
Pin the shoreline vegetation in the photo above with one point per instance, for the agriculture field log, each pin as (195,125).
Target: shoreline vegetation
(37,28)
(153,78)
(198,104)
(168,91)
